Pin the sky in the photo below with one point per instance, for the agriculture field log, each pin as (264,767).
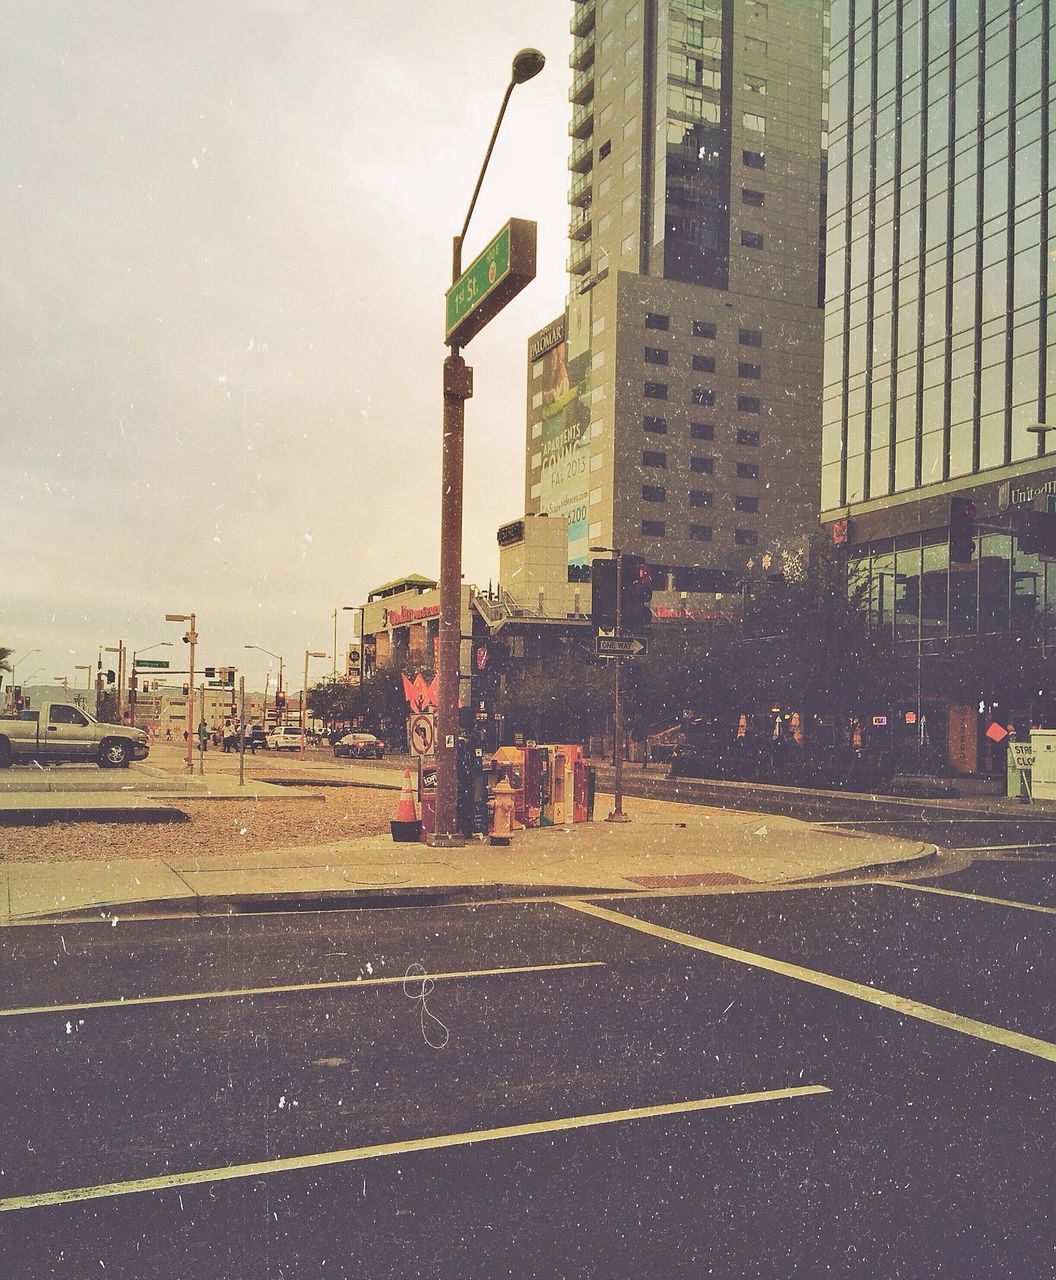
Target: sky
(226,230)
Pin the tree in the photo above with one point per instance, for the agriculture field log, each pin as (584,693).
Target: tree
(565,698)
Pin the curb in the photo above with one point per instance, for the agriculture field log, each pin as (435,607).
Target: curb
(372,898)
(42,816)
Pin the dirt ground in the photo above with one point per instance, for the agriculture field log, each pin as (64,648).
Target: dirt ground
(215,826)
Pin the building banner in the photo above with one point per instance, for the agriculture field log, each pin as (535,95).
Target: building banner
(565,445)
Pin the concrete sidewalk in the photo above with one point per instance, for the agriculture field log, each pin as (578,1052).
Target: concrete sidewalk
(667,846)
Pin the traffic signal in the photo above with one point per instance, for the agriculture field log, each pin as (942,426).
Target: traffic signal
(489,655)
(962,530)
(636,591)
(210,673)
(603,595)
(1036,532)
(110,677)
(186,690)
(280,699)
(228,675)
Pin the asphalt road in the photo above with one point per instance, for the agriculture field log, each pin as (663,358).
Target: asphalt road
(852,1081)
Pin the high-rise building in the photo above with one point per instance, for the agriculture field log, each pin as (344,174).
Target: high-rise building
(938,379)
(674,407)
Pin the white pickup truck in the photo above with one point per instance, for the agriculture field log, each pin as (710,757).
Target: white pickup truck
(58,732)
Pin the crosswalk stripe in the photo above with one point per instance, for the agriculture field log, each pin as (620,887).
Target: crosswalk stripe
(903,1005)
(289,1164)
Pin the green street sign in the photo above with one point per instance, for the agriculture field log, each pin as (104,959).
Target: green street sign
(151,662)
(493,280)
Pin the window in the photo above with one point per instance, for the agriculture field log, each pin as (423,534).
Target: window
(629,165)
(699,498)
(655,390)
(744,436)
(743,503)
(654,321)
(655,355)
(701,395)
(703,329)
(604,149)
(752,239)
(701,431)
(704,364)
(745,370)
(749,196)
(754,159)
(746,537)
(753,121)
(62,714)
(657,425)
(654,528)
(748,404)
(627,245)
(748,470)
(651,458)
(755,85)
(654,493)
(700,532)
(750,337)
(702,466)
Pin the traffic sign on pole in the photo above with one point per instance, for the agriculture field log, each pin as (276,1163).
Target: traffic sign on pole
(620,646)
(489,283)
(151,662)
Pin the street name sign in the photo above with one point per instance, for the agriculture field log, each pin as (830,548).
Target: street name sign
(490,282)
(151,662)
(620,646)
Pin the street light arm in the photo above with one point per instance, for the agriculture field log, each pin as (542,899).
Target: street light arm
(456,260)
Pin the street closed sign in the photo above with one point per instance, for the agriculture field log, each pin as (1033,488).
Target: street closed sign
(1021,755)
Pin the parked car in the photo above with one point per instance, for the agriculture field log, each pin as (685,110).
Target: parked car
(58,732)
(359,746)
(286,737)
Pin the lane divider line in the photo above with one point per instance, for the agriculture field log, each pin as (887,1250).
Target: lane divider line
(903,1005)
(337,985)
(913,886)
(262,1168)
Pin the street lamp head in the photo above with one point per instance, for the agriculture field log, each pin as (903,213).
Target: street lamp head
(526,64)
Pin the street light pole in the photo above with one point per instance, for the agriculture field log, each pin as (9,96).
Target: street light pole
(458,388)
(191,637)
(279,686)
(14,666)
(308,653)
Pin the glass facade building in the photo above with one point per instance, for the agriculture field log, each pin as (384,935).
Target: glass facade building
(940,279)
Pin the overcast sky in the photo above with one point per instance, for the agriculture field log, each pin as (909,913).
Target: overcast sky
(226,231)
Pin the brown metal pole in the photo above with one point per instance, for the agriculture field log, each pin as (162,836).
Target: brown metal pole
(617,814)
(458,387)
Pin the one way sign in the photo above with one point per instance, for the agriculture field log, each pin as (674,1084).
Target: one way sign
(619,646)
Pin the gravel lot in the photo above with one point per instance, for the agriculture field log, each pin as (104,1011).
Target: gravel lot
(222,826)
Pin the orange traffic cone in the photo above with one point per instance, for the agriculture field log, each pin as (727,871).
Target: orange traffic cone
(406,826)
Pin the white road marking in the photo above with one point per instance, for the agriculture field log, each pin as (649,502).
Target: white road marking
(903,1005)
(914,887)
(192,996)
(226,1173)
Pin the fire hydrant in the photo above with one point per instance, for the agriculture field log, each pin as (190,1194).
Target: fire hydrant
(501,806)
